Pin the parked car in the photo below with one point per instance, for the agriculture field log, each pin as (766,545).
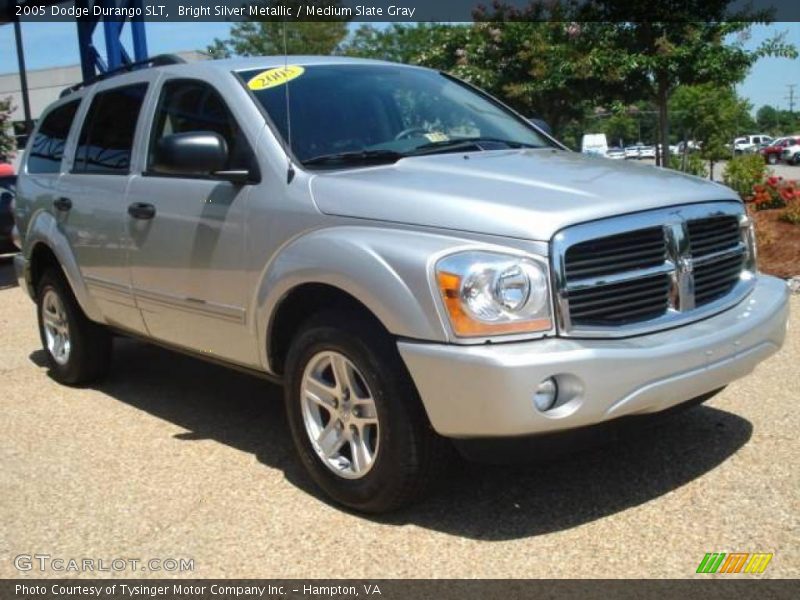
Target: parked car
(750,143)
(791,153)
(633,151)
(647,152)
(689,146)
(426,271)
(615,152)
(594,143)
(7,190)
(772,153)
(673,149)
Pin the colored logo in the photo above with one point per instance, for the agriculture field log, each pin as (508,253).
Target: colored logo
(734,562)
(274,77)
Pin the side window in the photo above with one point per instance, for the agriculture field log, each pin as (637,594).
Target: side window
(106,140)
(48,145)
(189,105)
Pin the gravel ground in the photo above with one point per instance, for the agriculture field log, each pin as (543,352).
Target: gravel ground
(173,458)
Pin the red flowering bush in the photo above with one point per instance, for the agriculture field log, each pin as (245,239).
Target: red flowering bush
(774,192)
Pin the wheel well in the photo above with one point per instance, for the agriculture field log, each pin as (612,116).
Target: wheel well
(42,258)
(299,305)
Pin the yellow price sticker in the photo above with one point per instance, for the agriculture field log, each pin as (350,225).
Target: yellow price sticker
(274,77)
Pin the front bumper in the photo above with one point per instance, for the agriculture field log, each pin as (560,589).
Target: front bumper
(487,390)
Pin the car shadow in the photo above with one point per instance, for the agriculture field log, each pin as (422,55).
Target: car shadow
(8,278)
(475,501)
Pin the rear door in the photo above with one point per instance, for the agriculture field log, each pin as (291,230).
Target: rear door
(38,188)
(187,257)
(94,186)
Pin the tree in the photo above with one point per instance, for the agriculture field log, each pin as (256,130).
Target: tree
(768,118)
(8,144)
(433,45)
(619,124)
(264,38)
(711,115)
(777,122)
(637,51)
(689,45)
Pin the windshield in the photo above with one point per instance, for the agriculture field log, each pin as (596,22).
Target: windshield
(379,112)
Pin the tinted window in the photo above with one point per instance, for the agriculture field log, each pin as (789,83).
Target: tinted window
(106,139)
(187,106)
(351,108)
(48,145)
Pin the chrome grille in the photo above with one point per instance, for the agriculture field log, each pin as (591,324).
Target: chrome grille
(640,272)
(617,303)
(707,236)
(712,237)
(713,280)
(617,253)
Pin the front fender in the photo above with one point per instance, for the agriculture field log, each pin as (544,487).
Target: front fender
(387,270)
(43,229)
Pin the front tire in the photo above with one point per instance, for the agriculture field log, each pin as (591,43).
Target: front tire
(356,418)
(78,351)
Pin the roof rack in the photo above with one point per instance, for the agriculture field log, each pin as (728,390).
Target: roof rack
(161,60)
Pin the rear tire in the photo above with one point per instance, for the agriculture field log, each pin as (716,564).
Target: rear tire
(363,434)
(78,351)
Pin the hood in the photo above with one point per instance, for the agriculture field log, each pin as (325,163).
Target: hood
(528,194)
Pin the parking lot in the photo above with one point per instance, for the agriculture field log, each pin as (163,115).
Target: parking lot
(779,170)
(174,458)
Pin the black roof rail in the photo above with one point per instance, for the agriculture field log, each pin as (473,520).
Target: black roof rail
(160,60)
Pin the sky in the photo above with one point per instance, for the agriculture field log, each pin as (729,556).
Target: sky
(56,44)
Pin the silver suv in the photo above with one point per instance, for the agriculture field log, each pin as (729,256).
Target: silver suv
(420,266)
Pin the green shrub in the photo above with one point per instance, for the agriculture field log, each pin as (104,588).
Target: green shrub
(792,212)
(743,172)
(694,164)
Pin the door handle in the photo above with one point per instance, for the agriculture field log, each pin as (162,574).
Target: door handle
(62,204)
(142,210)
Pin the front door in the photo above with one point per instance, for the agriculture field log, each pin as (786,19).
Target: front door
(187,251)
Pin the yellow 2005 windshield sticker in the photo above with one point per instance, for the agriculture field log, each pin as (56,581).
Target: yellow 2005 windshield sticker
(274,77)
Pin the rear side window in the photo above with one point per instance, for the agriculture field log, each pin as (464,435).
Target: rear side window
(48,145)
(193,106)
(106,140)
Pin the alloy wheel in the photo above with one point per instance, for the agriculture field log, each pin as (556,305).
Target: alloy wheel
(339,414)
(56,327)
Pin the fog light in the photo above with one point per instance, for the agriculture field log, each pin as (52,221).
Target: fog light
(546,394)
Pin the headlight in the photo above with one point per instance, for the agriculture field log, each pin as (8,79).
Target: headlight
(748,228)
(487,293)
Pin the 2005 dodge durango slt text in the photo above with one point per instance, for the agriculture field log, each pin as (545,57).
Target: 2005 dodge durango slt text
(420,266)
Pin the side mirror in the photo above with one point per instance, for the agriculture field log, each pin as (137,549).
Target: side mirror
(195,154)
(541,124)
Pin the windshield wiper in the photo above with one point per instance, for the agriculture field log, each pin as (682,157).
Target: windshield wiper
(355,158)
(459,143)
